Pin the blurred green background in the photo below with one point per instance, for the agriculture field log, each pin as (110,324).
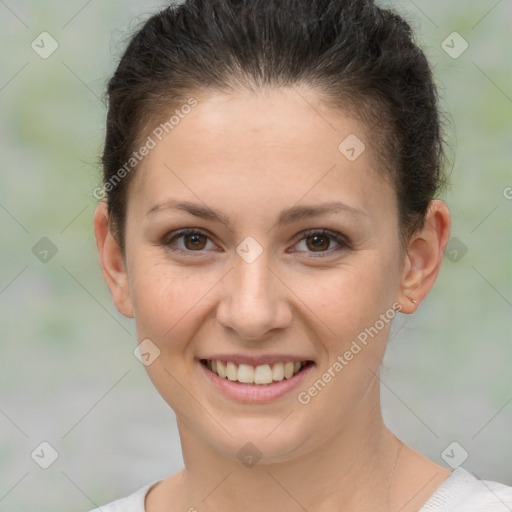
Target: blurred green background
(67,372)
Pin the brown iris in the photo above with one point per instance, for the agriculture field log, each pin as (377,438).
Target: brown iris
(319,242)
(194,241)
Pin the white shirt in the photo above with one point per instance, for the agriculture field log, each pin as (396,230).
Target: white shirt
(460,492)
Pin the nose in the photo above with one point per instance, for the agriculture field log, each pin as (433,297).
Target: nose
(255,300)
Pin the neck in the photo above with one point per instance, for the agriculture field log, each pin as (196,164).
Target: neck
(351,471)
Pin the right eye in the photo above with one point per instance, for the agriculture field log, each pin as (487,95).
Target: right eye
(187,241)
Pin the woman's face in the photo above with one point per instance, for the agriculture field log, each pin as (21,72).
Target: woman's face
(294,256)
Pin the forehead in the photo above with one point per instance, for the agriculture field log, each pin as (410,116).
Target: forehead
(281,144)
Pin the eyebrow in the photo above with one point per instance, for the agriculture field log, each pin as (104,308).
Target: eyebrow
(293,214)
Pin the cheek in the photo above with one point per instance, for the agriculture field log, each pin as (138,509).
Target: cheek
(349,303)
(168,300)
(351,297)
(164,299)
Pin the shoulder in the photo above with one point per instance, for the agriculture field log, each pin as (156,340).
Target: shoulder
(132,503)
(462,492)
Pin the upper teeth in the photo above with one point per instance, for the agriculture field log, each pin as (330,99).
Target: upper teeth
(248,374)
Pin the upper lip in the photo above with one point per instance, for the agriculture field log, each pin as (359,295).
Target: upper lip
(256,360)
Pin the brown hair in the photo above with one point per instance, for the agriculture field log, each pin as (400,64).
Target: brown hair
(357,56)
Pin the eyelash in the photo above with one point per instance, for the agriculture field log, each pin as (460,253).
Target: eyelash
(343,242)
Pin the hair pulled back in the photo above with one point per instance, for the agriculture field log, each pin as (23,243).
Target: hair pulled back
(357,56)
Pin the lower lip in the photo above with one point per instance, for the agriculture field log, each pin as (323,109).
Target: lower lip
(255,393)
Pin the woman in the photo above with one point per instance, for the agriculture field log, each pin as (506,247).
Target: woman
(270,170)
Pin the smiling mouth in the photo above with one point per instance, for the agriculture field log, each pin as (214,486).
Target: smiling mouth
(261,375)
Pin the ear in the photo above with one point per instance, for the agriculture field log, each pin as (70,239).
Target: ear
(424,256)
(112,262)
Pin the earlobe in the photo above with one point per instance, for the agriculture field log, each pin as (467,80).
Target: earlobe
(111,260)
(424,256)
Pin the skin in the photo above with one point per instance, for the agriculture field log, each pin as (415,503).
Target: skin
(251,155)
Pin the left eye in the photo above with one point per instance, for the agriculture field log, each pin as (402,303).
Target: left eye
(321,242)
